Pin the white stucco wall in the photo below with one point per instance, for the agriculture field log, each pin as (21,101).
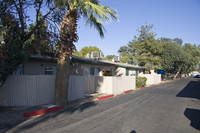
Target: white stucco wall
(109,85)
(124,83)
(152,78)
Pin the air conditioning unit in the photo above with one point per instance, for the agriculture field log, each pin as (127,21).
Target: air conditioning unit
(117,59)
(95,55)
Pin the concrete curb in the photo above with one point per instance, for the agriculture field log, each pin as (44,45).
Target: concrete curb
(104,97)
(43,111)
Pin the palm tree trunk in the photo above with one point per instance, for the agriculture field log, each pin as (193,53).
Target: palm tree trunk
(62,82)
(68,36)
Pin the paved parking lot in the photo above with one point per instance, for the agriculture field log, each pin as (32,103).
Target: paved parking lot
(168,108)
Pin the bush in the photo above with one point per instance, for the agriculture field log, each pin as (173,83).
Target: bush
(141,81)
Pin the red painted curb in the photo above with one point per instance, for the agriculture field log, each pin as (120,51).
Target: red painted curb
(127,91)
(141,87)
(42,111)
(104,97)
(152,85)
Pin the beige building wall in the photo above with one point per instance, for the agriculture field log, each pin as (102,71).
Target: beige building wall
(35,68)
(81,69)
(132,72)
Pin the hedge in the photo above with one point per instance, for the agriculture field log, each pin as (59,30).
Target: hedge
(141,81)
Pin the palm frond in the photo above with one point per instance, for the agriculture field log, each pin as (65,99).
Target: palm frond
(102,12)
(93,21)
(96,14)
(92,10)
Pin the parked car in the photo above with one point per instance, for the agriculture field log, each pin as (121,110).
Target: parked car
(197,76)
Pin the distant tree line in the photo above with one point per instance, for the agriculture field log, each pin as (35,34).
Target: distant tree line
(163,53)
(85,50)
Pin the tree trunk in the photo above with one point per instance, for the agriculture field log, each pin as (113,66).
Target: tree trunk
(177,73)
(68,36)
(62,81)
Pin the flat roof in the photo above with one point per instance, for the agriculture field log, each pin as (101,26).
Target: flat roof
(39,57)
(100,62)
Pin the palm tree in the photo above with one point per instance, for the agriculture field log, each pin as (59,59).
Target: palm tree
(95,14)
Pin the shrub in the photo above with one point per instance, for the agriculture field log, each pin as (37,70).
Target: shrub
(141,81)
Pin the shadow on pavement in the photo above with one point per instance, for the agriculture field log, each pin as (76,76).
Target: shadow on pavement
(68,110)
(133,131)
(194,116)
(192,90)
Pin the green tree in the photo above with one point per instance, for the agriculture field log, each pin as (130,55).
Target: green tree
(194,56)
(2,31)
(125,59)
(128,53)
(95,14)
(85,50)
(109,57)
(178,41)
(174,58)
(14,19)
(165,39)
(40,41)
(144,49)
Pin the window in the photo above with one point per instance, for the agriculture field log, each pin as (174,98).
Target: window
(48,70)
(94,71)
(19,70)
(53,70)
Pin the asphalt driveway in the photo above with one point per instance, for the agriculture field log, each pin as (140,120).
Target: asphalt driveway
(168,108)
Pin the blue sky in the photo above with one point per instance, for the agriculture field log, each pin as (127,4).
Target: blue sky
(171,18)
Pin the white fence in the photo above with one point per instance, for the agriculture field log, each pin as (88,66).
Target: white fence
(27,90)
(76,88)
(33,90)
(152,78)
(108,85)
(123,83)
